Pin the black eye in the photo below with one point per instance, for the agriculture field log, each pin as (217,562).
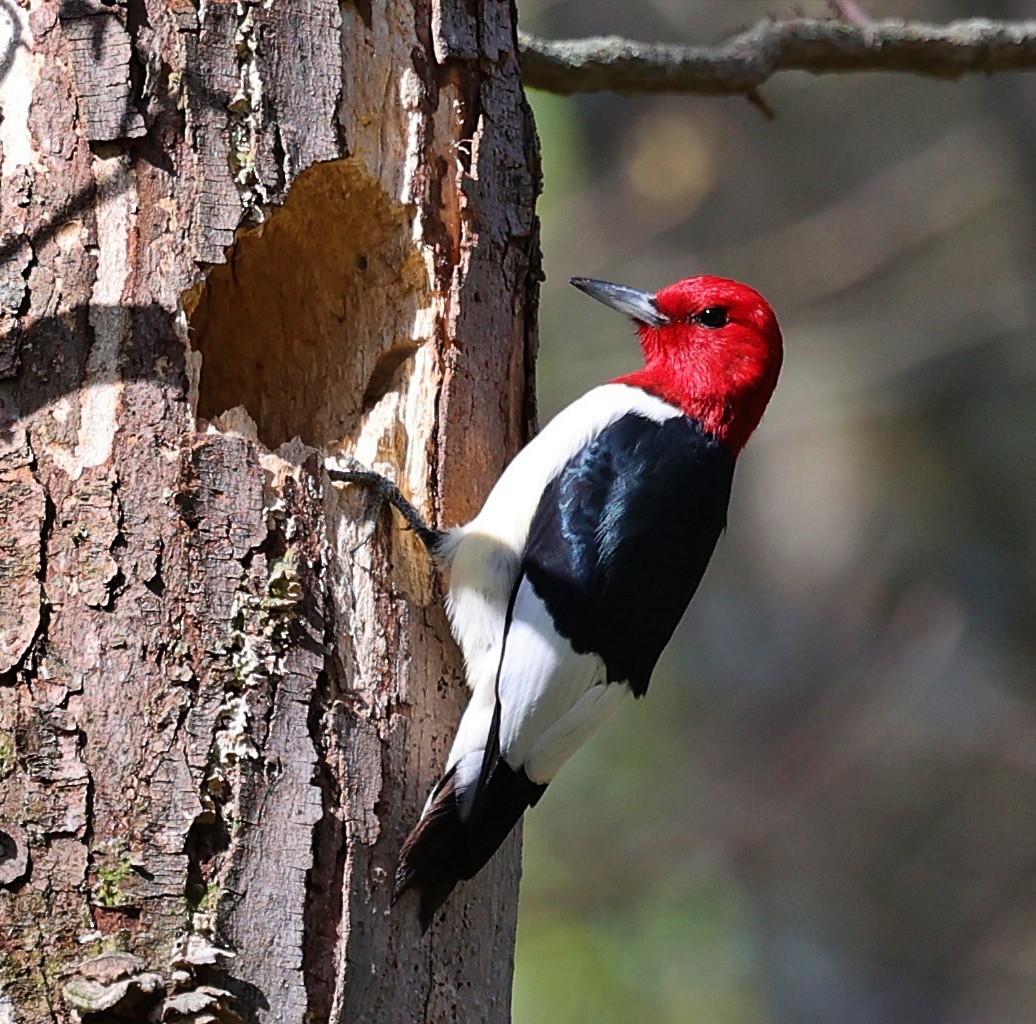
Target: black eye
(713,316)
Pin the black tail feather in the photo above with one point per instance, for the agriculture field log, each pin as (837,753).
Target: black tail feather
(503,801)
(432,853)
(444,848)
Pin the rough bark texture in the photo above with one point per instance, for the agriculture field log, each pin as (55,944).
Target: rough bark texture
(236,235)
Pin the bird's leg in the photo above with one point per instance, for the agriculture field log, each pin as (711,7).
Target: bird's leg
(381,490)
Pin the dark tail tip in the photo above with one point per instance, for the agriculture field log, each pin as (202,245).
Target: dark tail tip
(432,892)
(432,855)
(443,848)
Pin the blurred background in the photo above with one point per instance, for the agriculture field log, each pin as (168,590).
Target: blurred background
(825,808)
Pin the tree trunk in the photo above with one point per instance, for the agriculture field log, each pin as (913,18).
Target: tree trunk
(236,236)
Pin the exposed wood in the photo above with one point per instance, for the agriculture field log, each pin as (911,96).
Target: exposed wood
(235,236)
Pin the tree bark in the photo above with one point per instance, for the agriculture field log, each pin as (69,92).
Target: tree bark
(236,236)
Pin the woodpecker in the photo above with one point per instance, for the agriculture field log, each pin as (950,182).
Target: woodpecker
(568,584)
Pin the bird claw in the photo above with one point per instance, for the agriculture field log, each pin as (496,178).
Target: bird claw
(382,491)
(346,469)
(372,506)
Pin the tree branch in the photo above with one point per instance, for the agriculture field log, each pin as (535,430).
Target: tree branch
(744,62)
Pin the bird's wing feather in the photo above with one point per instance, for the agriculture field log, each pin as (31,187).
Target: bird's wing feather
(542,683)
(617,546)
(622,536)
(485,555)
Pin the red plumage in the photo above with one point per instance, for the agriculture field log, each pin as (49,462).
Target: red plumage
(722,376)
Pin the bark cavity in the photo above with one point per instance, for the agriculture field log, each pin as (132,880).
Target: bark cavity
(316,311)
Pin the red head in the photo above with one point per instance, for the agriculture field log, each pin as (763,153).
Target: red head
(711,346)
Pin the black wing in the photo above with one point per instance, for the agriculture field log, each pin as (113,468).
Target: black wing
(622,537)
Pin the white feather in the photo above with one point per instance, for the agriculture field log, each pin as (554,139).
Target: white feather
(574,728)
(541,677)
(551,700)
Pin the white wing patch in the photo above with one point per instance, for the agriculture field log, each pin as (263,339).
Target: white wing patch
(574,728)
(541,677)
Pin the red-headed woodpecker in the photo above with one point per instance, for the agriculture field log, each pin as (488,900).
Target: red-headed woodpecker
(568,584)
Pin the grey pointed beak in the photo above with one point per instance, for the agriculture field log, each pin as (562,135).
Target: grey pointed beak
(640,306)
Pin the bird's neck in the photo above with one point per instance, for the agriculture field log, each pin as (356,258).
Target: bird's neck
(729,413)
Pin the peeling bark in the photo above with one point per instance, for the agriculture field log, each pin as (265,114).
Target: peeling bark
(23,513)
(100,52)
(237,235)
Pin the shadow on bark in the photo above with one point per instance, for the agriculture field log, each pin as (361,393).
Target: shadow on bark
(7,8)
(53,360)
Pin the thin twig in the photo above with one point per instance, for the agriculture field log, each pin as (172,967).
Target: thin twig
(850,11)
(744,62)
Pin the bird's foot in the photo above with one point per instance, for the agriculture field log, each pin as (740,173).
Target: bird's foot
(380,491)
